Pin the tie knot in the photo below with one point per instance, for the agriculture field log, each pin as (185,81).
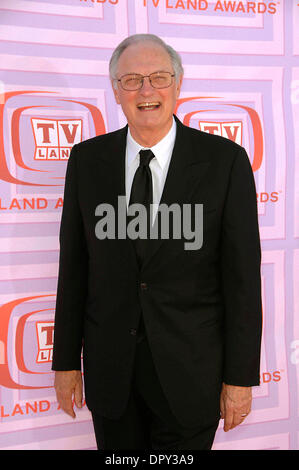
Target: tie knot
(145,157)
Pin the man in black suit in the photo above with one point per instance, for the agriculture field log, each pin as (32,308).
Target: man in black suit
(171,336)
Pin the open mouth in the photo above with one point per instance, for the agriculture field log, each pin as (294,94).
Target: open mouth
(148,106)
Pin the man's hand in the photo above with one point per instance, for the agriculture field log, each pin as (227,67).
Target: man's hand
(68,384)
(235,405)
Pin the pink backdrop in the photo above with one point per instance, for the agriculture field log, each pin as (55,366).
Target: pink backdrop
(241,81)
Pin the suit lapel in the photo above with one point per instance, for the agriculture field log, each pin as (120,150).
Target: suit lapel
(114,156)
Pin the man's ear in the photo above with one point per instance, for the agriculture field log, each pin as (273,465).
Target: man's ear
(115,90)
(178,86)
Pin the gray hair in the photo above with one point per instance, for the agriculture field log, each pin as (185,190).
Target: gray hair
(139,38)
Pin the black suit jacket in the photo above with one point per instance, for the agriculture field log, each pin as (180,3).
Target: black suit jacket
(202,309)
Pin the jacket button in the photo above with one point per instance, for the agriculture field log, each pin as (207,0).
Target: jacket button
(143,285)
(133,331)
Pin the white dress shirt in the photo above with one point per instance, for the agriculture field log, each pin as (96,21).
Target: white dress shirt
(158,165)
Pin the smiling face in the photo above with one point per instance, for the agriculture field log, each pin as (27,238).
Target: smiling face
(148,110)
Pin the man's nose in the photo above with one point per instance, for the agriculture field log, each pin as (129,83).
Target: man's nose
(146,87)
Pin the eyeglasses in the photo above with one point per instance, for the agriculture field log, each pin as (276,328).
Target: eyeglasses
(134,81)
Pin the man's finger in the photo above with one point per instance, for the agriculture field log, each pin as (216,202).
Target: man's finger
(66,403)
(78,395)
(68,387)
(222,413)
(238,418)
(68,408)
(70,411)
(228,419)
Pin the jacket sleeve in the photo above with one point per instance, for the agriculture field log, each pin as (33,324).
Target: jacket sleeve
(241,280)
(72,277)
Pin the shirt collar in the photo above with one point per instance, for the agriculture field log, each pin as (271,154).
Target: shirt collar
(162,149)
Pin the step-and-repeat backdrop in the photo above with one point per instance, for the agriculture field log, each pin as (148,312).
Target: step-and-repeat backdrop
(241,62)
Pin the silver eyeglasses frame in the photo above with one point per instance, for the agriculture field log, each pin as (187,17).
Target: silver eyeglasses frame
(142,77)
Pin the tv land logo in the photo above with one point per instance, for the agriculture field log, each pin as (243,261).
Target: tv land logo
(231,130)
(54,138)
(30,139)
(20,368)
(26,343)
(45,337)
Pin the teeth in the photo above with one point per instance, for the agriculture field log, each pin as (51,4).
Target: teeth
(147,105)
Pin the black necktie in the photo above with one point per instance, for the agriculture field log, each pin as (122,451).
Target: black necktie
(142,193)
